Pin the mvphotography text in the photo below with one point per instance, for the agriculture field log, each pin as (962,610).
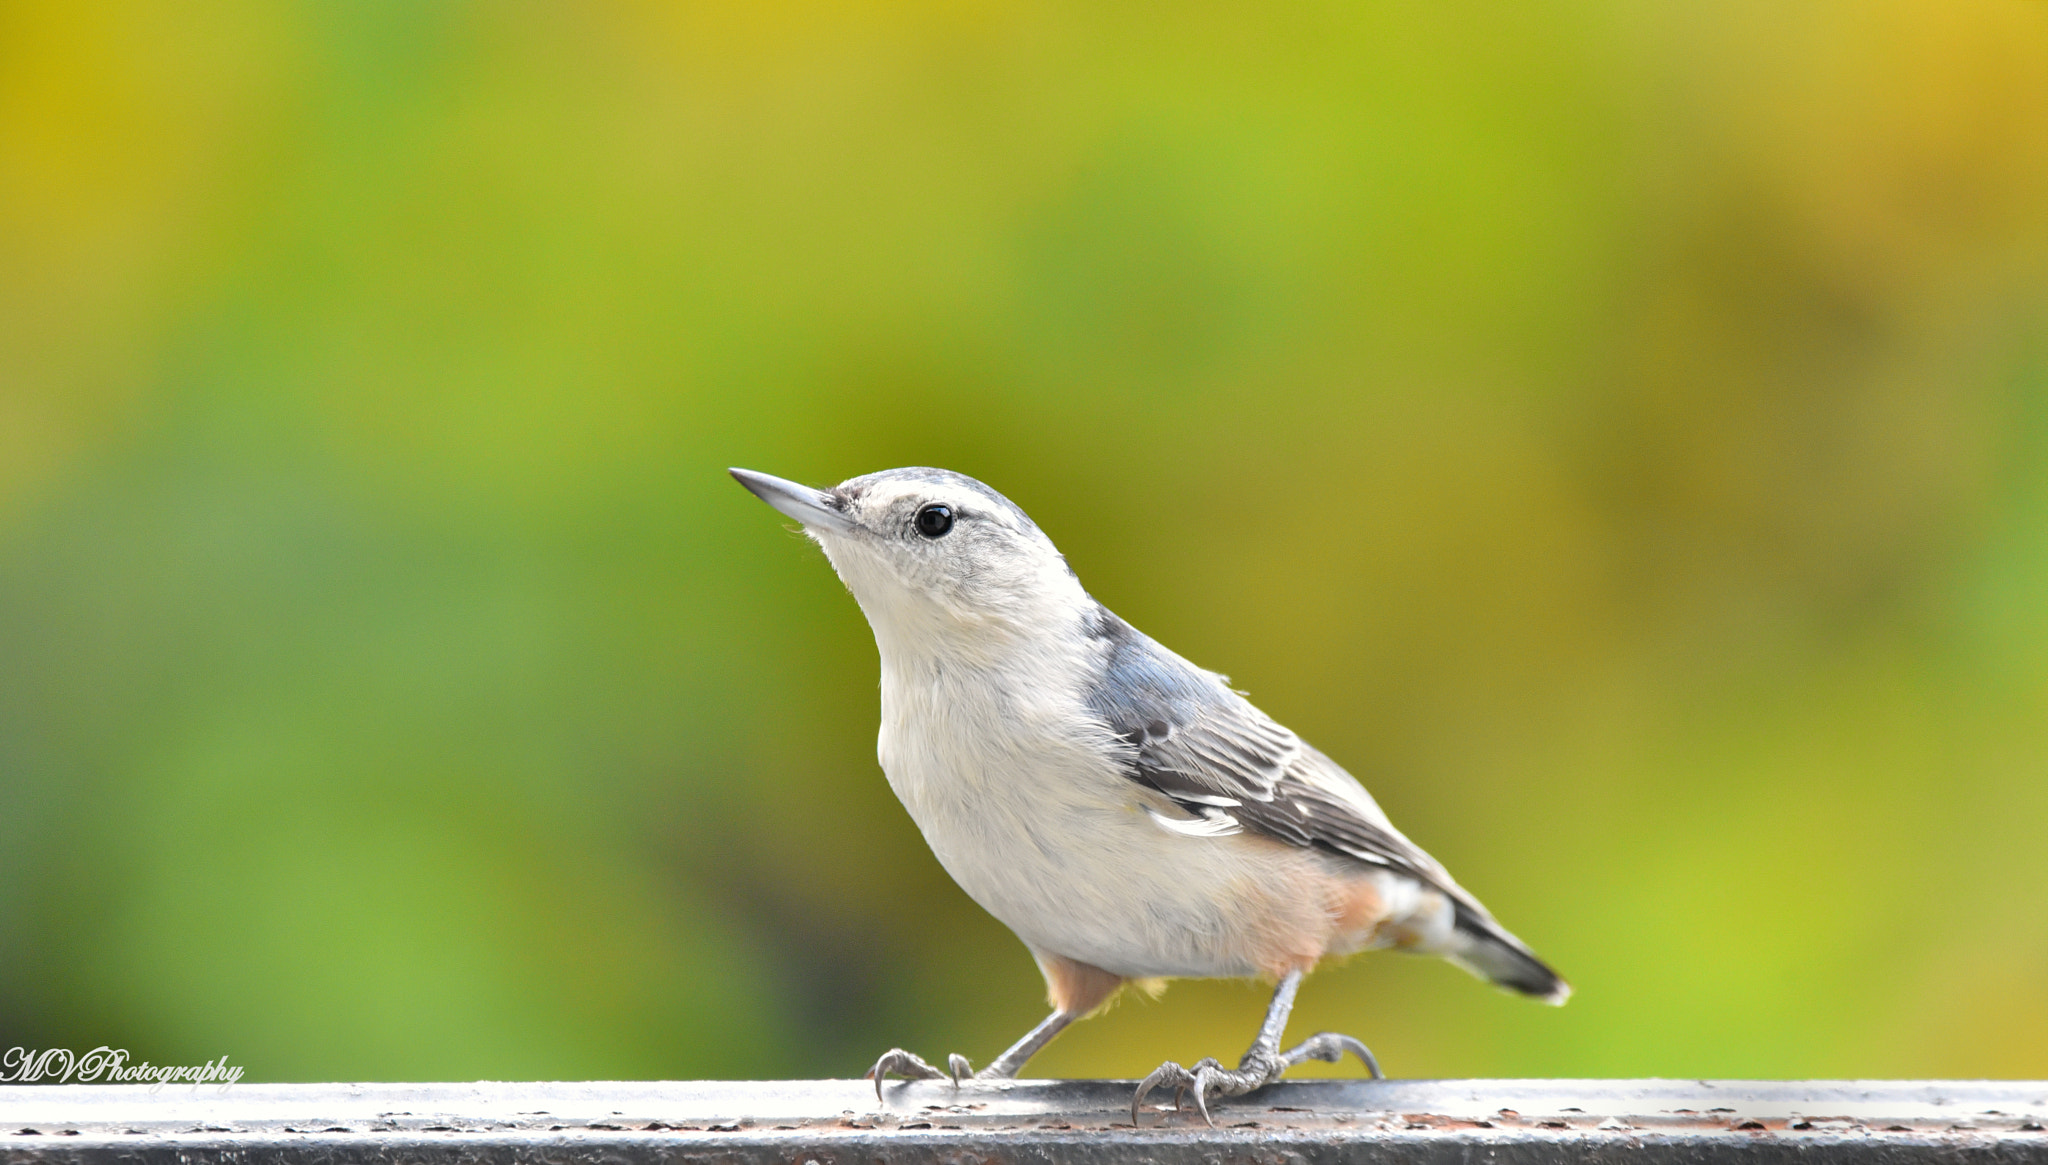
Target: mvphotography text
(108,1065)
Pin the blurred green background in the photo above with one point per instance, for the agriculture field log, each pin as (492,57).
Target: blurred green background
(1617,432)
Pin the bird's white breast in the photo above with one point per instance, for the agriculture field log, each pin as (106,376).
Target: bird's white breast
(1018,791)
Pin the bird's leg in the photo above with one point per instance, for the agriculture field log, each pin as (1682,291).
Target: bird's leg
(1005,1067)
(1261,1065)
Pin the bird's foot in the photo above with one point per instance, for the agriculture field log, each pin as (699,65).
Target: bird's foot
(911,1066)
(1259,1068)
(1209,1078)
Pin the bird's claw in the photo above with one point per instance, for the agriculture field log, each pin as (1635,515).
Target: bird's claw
(1258,1068)
(909,1065)
(912,1066)
(1329,1047)
(1164,1073)
(1207,1077)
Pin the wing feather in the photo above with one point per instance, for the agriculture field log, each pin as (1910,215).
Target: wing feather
(1204,746)
(1230,767)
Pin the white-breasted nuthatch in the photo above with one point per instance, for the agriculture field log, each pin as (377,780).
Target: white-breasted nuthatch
(1125,812)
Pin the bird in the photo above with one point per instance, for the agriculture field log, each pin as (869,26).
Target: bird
(1127,814)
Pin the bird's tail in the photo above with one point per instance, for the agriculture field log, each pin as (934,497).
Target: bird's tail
(1485,948)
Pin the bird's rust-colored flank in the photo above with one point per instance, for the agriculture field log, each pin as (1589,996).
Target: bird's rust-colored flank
(1077,988)
(1359,910)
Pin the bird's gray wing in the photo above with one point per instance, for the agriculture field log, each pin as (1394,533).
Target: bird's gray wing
(1225,762)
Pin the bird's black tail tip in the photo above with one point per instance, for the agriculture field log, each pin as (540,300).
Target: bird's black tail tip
(1524,973)
(1501,959)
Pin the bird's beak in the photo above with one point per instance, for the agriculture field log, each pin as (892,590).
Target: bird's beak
(812,507)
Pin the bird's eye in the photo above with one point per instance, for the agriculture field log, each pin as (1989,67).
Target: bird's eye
(934,520)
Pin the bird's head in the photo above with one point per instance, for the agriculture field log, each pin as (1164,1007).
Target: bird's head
(932,553)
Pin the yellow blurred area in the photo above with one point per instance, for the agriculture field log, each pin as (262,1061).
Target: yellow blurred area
(1618,434)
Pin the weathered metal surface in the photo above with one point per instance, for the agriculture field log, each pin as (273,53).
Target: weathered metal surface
(838,1122)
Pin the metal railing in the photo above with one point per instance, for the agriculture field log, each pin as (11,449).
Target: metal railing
(839,1122)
